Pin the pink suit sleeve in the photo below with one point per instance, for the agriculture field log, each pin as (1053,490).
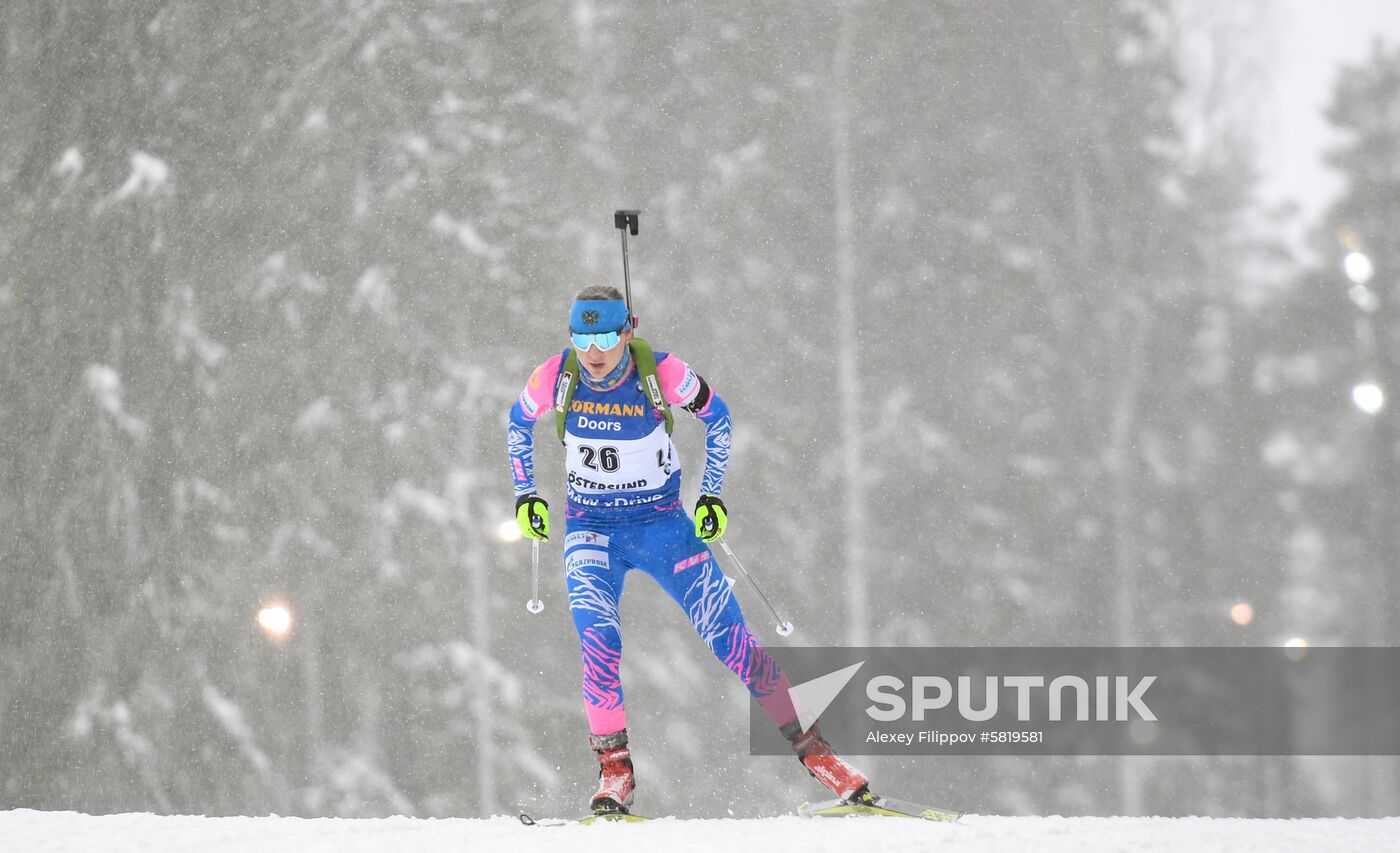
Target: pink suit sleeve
(538,394)
(679,384)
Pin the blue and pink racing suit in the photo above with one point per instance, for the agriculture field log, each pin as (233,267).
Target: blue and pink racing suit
(624,512)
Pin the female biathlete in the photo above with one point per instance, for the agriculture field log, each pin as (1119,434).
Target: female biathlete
(609,397)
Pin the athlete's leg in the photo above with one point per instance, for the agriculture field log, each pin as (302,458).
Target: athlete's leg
(675,557)
(594,580)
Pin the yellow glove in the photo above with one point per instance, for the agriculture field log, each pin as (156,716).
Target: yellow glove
(710,518)
(532,516)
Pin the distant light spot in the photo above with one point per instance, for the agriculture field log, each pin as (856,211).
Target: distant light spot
(1364,299)
(1368,397)
(508,531)
(1358,267)
(275,619)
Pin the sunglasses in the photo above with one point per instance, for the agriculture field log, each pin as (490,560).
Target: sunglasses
(604,341)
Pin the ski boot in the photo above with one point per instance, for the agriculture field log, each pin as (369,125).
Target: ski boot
(826,766)
(615,780)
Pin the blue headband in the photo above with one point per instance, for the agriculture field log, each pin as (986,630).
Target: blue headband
(589,316)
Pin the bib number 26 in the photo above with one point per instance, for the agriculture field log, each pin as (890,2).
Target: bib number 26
(603,458)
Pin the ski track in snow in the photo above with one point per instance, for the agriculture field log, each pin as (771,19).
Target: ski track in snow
(24,831)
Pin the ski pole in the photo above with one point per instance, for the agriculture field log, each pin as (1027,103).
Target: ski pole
(784,626)
(624,221)
(535,605)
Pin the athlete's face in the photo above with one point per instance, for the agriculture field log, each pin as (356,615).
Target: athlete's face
(600,363)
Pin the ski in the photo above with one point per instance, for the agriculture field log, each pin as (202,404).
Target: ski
(885,806)
(607,817)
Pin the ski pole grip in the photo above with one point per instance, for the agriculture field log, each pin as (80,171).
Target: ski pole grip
(628,219)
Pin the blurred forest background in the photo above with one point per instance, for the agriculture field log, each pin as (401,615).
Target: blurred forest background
(1012,355)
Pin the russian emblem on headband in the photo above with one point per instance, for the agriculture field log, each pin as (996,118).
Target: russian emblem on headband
(590,318)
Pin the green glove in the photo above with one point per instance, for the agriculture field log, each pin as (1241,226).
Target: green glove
(710,518)
(532,516)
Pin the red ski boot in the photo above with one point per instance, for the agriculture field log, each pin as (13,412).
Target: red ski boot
(615,780)
(825,766)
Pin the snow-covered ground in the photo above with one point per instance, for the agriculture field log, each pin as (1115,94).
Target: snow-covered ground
(68,832)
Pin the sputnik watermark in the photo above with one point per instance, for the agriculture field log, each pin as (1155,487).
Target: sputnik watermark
(1093,701)
(1123,692)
